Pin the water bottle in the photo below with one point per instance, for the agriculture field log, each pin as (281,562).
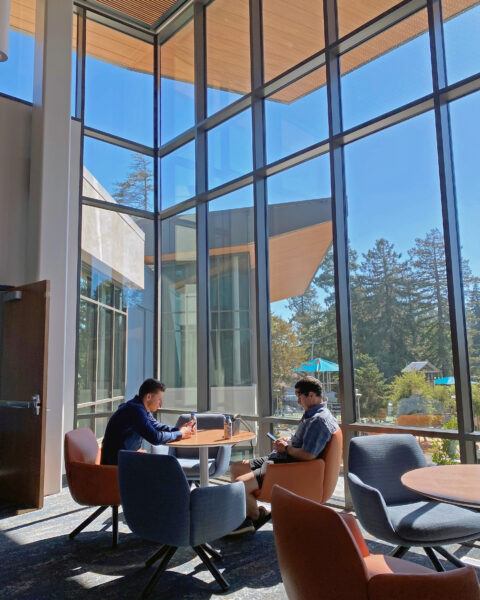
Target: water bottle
(193,418)
(227,428)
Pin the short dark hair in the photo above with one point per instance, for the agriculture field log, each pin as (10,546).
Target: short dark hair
(150,386)
(305,385)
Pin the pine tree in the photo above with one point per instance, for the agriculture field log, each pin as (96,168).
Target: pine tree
(370,383)
(135,191)
(287,354)
(473,328)
(429,273)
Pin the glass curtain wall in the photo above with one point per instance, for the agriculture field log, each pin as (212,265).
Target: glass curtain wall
(306,221)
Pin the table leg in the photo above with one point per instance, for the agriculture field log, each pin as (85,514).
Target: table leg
(203,454)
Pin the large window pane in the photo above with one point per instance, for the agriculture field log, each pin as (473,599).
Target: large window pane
(177,108)
(228,53)
(296,117)
(178,175)
(399,298)
(116,308)
(352,15)
(292,32)
(117,175)
(302,295)
(462,40)
(119,84)
(179,311)
(230,149)
(465,132)
(232,294)
(386,72)
(16,74)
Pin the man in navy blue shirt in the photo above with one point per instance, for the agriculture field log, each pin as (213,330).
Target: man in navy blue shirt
(133,422)
(307,443)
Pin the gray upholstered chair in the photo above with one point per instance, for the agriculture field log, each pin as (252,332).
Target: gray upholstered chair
(159,506)
(393,513)
(218,458)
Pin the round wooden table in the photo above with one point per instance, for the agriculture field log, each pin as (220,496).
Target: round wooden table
(455,484)
(208,438)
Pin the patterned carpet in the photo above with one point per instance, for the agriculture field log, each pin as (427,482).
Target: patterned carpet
(38,561)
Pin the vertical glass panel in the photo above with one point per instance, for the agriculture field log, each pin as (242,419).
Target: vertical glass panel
(16,74)
(117,261)
(179,311)
(73,82)
(230,149)
(114,174)
(177,107)
(389,70)
(352,15)
(232,293)
(398,280)
(87,348)
(464,115)
(462,40)
(228,53)
(296,117)
(292,32)
(302,294)
(178,175)
(119,84)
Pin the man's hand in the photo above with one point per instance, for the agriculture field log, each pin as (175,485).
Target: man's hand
(280,445)
(186,431)
(192,424)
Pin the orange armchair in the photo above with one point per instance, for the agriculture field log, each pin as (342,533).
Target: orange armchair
(90,483)
(322,553)
(314,479)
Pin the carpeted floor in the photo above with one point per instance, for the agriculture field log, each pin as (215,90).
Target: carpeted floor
(38,561)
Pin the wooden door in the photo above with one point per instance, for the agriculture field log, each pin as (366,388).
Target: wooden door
(23,382)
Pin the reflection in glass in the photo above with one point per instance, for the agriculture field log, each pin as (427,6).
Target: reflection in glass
(179,311)
(16,74)
(296,117)
(232,293)
(378,75)
(302,294)
(178,175)
(115,337)
(292,32)
(177,108)
(228,53)
(230,149)
(398,280)
(465,133)
(462,44)
(114,174)
(119,84)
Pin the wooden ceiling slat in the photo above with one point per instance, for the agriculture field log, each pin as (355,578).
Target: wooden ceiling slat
(147,11)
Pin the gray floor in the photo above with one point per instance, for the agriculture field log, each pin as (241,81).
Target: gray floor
(38,561)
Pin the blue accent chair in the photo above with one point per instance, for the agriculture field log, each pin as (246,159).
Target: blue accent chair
(159,506)
(393,513)
(218,458)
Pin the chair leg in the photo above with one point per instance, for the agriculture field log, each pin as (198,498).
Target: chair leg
(87,521)
(212,568)
(434,560)
(450,557)
(214,553)
(114,526)
(400,551)
(157,556)
(160,569)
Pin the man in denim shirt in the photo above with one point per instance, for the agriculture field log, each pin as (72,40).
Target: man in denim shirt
(307,443)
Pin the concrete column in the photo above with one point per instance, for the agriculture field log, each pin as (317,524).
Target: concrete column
(50,220)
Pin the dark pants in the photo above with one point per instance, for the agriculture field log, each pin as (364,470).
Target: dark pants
(259,465)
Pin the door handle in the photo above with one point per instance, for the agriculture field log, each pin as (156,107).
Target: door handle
(36,404)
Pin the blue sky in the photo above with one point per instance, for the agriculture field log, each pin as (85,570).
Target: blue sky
(392,177)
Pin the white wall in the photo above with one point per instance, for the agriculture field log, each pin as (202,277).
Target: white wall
(15,128)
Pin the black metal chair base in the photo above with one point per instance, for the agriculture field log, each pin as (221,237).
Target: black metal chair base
(399,551)
(93,516)
(165,554)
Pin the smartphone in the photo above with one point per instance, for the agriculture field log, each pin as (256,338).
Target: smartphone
(271,436)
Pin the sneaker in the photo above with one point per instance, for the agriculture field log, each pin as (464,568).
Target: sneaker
(263,518)
(245,527)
